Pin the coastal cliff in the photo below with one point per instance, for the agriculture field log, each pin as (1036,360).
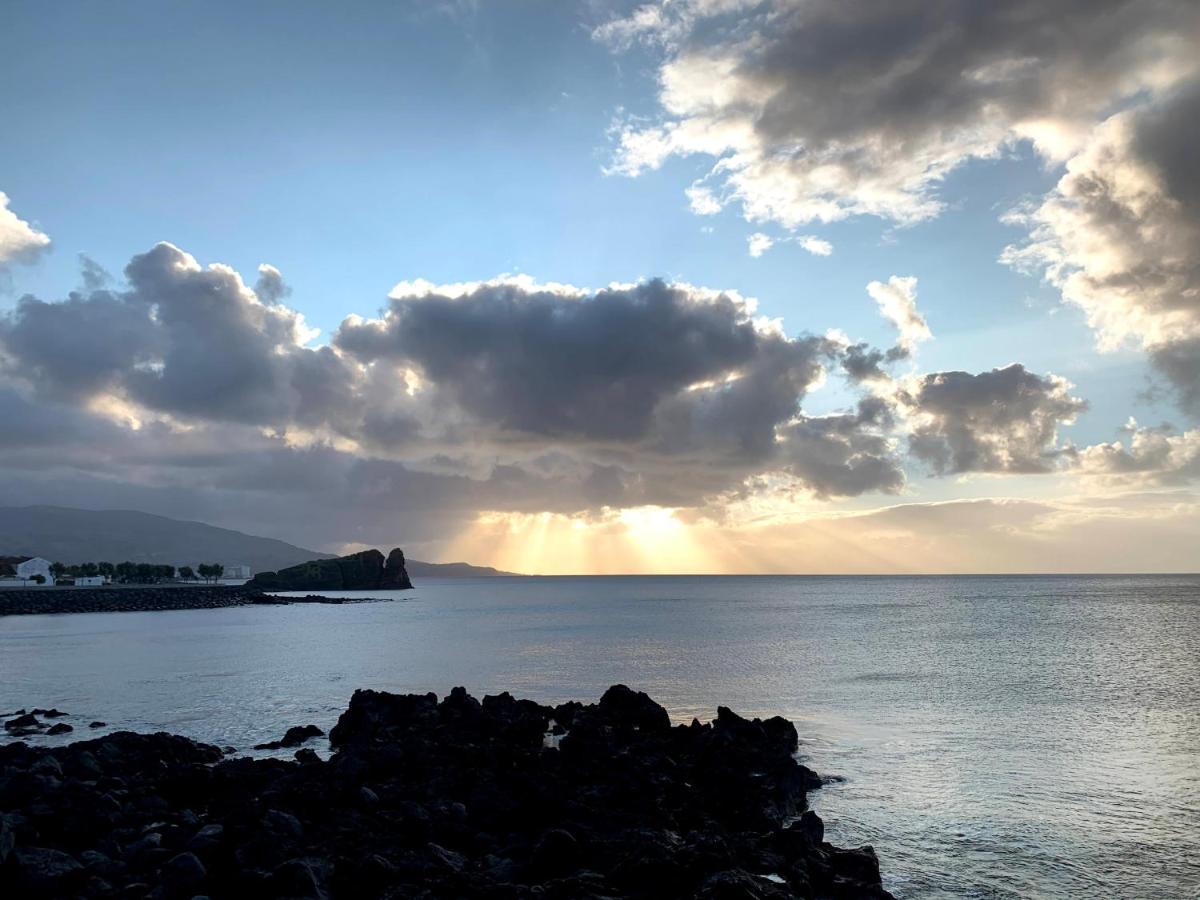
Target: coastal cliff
(364,571)
(502,798)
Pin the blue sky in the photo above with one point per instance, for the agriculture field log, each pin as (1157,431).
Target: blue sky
(355,146)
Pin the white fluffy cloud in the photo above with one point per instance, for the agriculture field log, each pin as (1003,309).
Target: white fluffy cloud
(897,300)
(19,241)
(759,243)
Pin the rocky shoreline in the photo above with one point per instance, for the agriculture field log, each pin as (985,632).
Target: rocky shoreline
(122,598)
(502,798)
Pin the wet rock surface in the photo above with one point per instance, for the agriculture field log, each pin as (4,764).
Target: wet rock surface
(421,798)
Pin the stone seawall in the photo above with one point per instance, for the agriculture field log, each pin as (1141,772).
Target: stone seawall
(118,598)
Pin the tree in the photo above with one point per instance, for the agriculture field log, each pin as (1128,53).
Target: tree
(89,570)
(211,571)
(125,571)
(57,569)
(106,569)
(187,573)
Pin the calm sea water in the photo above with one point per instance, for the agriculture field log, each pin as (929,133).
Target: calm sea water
(999,737)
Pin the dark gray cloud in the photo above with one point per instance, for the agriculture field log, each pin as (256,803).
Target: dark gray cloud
(1005,420)
(93,275)
(597,367)
(224,353)
(81,346)
(1179,362)
(657,393)
(270,286)
(845,455)
(862,362)
(182,340)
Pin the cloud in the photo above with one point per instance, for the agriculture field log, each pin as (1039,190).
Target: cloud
(1155,455)
(93,275)
(1002,421)
(662,392)
(270,286)
(897,302)
(760,243)
(576,365)
(814,245)
(20,242)
(183,340)
(844,455)
(816,110)
(1120,236)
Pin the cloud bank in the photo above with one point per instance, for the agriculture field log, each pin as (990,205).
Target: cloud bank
(184,390)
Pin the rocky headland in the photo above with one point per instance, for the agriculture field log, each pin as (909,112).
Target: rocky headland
(502,798)
(364,571)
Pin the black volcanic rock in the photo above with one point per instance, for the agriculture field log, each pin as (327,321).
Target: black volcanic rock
(450,799)
(293,737)
(364,571)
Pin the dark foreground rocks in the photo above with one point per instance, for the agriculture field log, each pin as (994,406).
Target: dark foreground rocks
(460,798)
(365,571)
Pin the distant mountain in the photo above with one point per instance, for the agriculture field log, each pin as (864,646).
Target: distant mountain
(72,536)
(417,569)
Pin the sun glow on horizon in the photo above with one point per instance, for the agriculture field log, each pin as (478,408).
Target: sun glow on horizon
(656,540)
(636,540)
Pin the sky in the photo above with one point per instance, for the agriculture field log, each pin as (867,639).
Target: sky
(599,287)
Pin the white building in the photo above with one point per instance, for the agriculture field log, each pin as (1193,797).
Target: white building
(23,569)
(233,573)
(89,580)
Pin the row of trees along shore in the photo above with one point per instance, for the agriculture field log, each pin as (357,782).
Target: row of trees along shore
(138,573)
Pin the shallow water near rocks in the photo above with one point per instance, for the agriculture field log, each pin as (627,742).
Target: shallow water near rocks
(999,737)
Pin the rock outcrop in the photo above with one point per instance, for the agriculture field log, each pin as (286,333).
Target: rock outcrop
(421,798)
(364,571)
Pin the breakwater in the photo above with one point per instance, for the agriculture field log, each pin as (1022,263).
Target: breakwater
(140,598)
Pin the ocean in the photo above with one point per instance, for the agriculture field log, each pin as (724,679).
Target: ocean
(997,737)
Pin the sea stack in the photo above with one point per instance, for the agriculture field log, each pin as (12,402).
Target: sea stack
(363,571)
